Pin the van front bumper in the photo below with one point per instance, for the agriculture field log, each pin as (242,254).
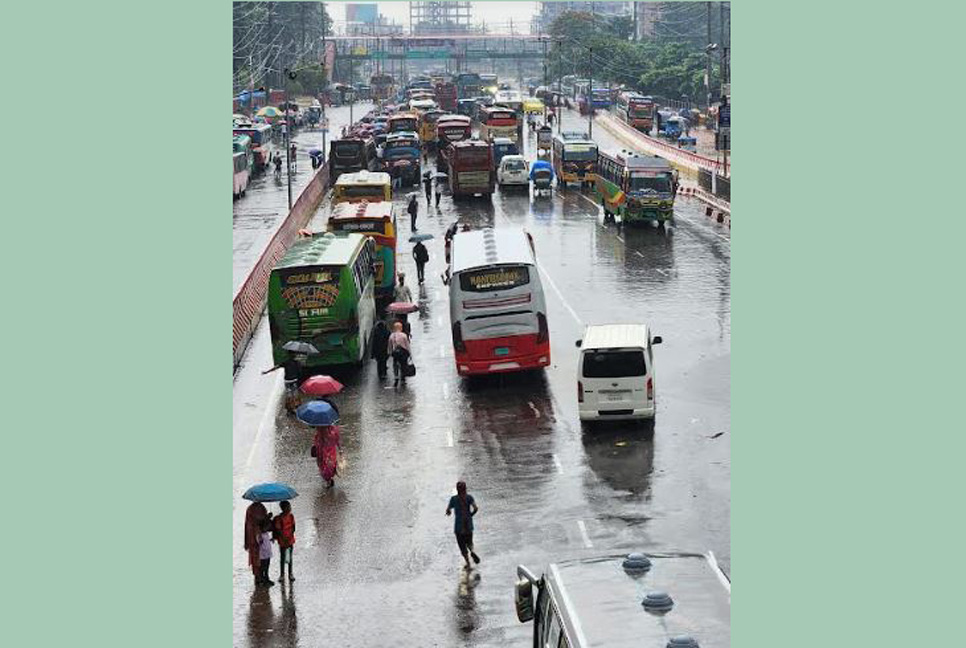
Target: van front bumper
(616,415)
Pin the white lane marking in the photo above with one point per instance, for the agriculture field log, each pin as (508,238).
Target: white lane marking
(559,466)
(638,253)
(717,570)
(442,351)
(445,391)
(662,271)
(270,408)
(559,294)
(449,437)
(534,408)
(619,238)
(583,534)
(596,206)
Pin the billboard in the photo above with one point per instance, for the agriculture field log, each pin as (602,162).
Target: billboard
(364,13)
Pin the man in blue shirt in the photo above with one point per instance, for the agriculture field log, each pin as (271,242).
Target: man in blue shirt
(465,507)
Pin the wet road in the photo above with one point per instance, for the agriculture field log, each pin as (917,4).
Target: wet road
(376,559)
(257,215)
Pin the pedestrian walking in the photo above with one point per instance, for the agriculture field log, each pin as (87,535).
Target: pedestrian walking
(292,149)
(428,186)
(380,347)
(325,449)
(265,552)
(421,256)
(465,508)
(439,190)
(401,292)
(285,537)
(255,514)
(413,210)
(399,350)
(293,371)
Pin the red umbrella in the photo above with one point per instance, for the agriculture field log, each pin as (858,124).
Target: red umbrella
(321,386)
(402,307)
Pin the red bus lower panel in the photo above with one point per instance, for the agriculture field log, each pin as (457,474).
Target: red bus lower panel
(502,355)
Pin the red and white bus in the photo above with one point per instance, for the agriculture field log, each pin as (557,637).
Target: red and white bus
(496,303)
(498,121)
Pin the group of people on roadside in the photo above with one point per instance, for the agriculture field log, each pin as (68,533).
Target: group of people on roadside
(262,528)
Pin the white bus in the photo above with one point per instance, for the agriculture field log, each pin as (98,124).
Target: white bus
(496,303)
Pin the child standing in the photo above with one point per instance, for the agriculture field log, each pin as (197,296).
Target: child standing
(265,552)
(285,536)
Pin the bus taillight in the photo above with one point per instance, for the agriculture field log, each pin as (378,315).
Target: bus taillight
(543,333)
(580,392)
(458,344)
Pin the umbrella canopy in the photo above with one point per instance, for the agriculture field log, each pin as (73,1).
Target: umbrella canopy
(420,237)
(439,175)
(269,111)
(321,386)
(270,492)
(297,346)
(402,307)
(241,118)
(316,413)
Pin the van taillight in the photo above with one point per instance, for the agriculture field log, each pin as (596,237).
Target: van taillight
(580,392)
(543,334)
(650,389)
(458,338)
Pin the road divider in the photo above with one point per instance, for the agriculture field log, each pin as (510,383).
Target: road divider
(249,299)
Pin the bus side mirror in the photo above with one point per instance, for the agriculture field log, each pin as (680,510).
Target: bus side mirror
(657,339)
(524,600)
(578,343)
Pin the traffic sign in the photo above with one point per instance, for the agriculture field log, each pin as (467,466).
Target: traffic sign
(724,116)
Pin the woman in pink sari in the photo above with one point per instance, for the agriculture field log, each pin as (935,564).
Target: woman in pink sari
(326,444)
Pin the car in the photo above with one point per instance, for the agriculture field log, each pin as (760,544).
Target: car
(513,170)
(615,373)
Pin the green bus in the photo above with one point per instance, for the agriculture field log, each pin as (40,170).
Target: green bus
(321,293)
(638,188)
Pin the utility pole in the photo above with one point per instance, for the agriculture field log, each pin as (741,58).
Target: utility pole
(634,7)
(325,86)
(286,75)
(545,84)
(559,96)
(707,73)
(589,97)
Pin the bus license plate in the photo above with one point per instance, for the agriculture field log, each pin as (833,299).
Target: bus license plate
(502,351)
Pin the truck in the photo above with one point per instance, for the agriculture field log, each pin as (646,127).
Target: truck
(446,96)
(468,85)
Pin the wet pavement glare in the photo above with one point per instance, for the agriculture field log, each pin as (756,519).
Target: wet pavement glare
(375,557)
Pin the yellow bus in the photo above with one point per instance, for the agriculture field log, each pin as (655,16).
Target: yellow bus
(370,186)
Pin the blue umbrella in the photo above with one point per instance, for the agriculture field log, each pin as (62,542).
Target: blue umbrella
(420,237)
(270,492)
(316,413)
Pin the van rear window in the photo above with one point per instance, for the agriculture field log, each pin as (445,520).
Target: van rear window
(613,364)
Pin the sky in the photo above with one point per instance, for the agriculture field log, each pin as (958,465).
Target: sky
(496,14)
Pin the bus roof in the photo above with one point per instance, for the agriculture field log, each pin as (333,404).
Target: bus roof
(638,162)
(575,141)
(364,209)
(487,247)
(325,249)
(468,144)
(602,604)
(364,177)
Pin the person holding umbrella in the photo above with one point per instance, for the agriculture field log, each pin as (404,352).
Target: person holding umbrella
(255,515)
(326,449)
(421,256)
(428,186)
(399,350)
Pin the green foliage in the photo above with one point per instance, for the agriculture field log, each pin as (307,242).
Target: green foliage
(663,67)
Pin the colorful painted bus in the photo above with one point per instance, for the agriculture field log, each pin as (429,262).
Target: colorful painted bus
(636,110)
(322,293)
(261,137)
(638,188)
(377,221)
(407,122)
(497,309)
(498,121)
(240,174)
(574,159)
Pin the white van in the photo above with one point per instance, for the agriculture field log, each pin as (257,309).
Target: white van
(615,374)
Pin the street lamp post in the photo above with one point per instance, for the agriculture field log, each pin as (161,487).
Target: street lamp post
(589,97)
(288,149)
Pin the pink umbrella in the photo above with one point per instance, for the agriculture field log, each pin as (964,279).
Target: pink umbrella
(321,386)
(402,307)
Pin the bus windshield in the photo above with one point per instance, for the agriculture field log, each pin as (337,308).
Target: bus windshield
(472,156)
(579,152)
(347,149)
(363,191)
(660,184)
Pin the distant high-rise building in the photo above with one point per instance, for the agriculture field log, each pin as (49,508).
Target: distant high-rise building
(427,18)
